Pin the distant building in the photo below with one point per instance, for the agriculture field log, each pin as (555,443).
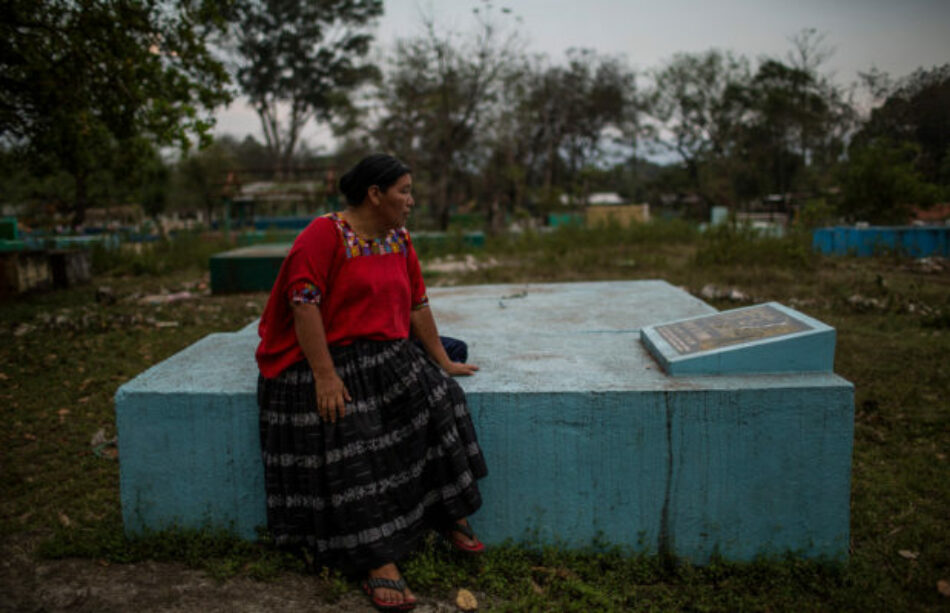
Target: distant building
(624,214)
(595,199)
(605,199)
(938,214)
(273,198)
(120,215)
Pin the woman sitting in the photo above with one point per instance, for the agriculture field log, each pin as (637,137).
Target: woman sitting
(367,441)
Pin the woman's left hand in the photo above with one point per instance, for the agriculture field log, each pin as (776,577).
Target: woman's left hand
(459,369)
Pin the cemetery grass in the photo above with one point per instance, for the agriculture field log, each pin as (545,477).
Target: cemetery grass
(65,354)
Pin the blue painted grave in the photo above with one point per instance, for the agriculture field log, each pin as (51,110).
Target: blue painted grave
(586,437)
(247,269)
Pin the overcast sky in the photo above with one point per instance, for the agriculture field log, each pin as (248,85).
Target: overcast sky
(895,36)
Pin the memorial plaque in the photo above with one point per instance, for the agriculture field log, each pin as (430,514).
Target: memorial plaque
(759,339)
(729,328)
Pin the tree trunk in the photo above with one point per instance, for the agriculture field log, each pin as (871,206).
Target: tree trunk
(81,199)
(440,204)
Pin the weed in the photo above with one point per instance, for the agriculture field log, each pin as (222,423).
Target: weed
(725,245)
(185,250)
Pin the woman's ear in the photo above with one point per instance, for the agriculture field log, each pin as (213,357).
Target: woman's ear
(374,194)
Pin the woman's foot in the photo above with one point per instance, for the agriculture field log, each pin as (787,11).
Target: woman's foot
(386,588)
(462,537)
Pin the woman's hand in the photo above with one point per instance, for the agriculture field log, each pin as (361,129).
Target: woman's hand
(459,369)
(332,396)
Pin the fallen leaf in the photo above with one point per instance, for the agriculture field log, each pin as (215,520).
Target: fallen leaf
(84,399)
(537,589)
(99,437)
(466,601)
(64,519)
(23,329)
(908,554)
(3,376)
(29,437)
(943,586)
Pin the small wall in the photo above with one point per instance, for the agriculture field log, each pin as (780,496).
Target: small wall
(911,241)
(247,269)
(70,268)
(23,271)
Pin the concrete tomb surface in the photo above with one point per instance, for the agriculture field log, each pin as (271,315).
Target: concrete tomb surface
(585,436)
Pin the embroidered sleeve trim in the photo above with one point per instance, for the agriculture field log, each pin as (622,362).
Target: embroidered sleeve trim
(421,304)
(305,293)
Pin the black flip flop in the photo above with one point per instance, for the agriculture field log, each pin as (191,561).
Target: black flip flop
(398,585)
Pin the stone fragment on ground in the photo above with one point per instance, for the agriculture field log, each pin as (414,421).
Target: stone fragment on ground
(467,263)
(931,265)
(711,291)
(105,295)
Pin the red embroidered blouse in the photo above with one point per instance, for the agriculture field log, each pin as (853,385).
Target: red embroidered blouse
(363,288)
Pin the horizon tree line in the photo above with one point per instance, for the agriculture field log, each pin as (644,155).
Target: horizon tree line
(87,107)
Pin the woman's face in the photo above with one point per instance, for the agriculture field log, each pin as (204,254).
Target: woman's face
(396,202)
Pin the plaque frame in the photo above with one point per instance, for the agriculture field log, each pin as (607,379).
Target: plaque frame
(810,349)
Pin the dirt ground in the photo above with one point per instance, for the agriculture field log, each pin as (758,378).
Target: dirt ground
(31,585)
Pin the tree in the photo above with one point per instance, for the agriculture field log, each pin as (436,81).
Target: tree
(202,176)
(917,111)
(744,135)
(569,109)
(800,119)
(697,102)
(154,185)
(436,99)
(901,155)
(880,183)
(299,61)
(89,85)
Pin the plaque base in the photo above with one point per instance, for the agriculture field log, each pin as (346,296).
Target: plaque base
(765,338)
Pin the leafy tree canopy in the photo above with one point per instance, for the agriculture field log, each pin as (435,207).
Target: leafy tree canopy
(880,183)
(90,83)
(299,60)
(917,111)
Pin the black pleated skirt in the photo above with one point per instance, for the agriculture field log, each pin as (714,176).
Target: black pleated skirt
(362,492)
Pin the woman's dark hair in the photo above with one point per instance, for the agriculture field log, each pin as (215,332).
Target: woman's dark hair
(378,169)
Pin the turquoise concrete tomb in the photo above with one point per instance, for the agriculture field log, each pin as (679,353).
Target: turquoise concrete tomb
(586,437)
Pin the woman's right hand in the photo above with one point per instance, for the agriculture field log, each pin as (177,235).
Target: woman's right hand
(332,396)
